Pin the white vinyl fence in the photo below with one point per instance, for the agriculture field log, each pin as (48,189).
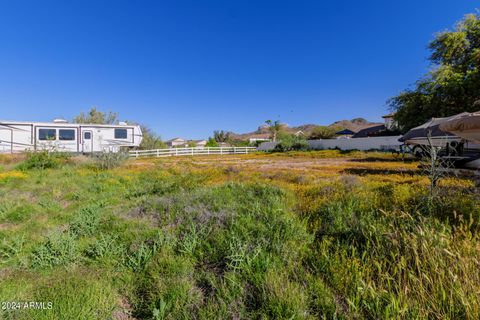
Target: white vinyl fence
(191,151)
(369,143)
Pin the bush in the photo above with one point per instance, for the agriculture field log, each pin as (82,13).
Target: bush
(44,160)
(290,142)
(109,160)
(211,143)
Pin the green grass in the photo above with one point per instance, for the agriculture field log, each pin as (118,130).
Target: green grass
(168,243)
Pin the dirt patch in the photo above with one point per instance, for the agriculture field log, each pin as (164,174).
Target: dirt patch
(11,158)
(5,226)
(124,310)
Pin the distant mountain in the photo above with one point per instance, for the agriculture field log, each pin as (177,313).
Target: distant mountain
(262,132)
(355,125)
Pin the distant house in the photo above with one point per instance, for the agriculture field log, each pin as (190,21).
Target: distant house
(259,137)
(300,133)
(370,131)
(386,129)
(177,142)
(345,133)
(200,143)
(390,122)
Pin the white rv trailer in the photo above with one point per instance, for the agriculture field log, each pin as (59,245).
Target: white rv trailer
(60,135)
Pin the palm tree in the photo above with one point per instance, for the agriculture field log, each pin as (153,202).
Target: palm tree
(274,127)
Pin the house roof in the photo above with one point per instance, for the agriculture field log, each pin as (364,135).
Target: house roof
(390,115)
(175,139)
(369,131)
(345,132)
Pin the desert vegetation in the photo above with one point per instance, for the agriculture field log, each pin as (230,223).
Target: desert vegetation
(296,235)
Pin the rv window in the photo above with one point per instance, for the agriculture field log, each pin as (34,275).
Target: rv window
(120,133)
(64,134)
(87,135)
(47,134)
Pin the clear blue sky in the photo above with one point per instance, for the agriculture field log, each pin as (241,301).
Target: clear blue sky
(186,68)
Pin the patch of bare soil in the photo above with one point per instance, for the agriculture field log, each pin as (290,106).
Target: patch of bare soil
(4,226)
(277,163)
(124,310)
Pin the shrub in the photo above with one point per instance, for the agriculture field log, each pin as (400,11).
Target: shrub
(109,160)
(211,143)
(43,160)
(290,142)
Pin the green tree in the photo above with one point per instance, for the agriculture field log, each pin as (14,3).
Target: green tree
(221,136)
(151,140)
(274,127)
(322,132)
(453,84)
(95,116)
(211,143)
(290,142)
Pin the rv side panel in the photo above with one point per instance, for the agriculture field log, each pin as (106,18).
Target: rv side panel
(56,138)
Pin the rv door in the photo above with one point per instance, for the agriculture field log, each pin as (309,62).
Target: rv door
(87,141)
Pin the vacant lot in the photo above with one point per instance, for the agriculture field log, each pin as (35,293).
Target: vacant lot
(299,235)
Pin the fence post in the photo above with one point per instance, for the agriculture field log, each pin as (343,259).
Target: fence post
(208,150)
(221,150)
(176,151)
(136,154)
(158,153)
(192,151)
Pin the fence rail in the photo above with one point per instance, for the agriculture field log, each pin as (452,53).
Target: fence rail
(172,152)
